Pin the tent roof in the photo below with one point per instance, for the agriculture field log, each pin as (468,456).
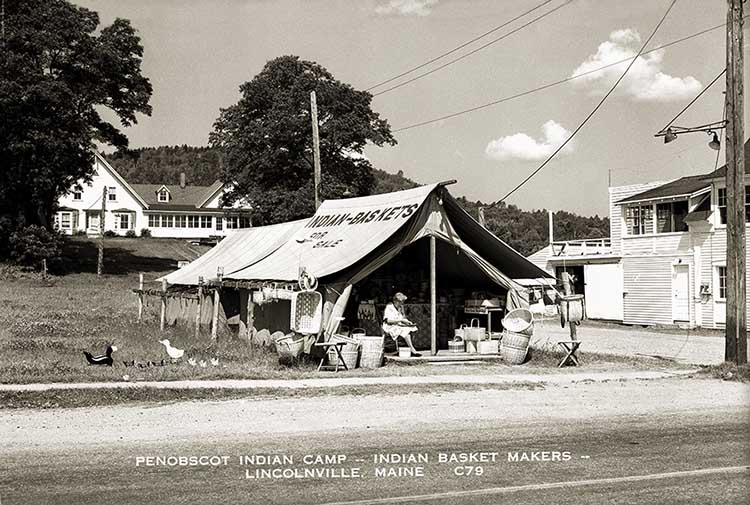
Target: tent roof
(243,247)
(348,239)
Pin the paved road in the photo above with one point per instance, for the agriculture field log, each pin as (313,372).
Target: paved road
(669,441)
(688,347)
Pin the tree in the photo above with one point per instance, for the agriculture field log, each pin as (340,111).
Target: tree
(266,140)
(57,70)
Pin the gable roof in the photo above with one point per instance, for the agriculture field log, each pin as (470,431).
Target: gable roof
(186,198)
(686,186)
(120,179)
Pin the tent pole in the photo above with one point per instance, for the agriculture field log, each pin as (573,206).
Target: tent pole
(433,296)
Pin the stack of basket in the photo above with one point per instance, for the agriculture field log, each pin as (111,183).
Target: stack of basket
(519,326)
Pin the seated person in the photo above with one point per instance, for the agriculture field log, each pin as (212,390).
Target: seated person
(395,324)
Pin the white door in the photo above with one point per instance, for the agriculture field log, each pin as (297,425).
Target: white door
(94,221)
(681,292)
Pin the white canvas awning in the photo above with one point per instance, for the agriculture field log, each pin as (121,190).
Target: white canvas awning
(238,250)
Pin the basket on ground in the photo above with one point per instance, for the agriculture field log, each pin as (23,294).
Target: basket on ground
(456,345)
(371,350)
(289,347)
(350,358)
(519,321)
(514,347)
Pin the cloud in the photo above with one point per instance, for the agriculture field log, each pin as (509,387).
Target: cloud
(645,80)
(406,7)
(521,146)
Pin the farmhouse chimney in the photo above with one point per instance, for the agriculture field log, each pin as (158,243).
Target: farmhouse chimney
(182,180)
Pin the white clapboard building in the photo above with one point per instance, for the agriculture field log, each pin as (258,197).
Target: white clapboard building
(665,260)
(165,210)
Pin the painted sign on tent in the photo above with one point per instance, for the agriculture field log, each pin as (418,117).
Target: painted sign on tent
(340,233)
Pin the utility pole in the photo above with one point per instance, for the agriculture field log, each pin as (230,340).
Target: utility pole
(316,146)
(735,349)
(100,259)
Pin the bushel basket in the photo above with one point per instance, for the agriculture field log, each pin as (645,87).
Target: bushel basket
(371,354)
(514,347)
(519,321)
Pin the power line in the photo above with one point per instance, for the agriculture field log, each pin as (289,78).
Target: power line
(451,62)
(551,84)
(598,106)
(695,99)
(457,48)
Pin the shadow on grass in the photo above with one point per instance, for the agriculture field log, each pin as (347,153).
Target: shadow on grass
(81,255)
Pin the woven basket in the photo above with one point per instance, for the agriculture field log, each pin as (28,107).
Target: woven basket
(474,333)
(519,321)
(288,347)
(514,347)
(456,345)
(306,314)
(487,346)
(350,357)
(371,355)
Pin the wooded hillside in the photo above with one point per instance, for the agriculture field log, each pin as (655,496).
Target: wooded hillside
(526,231)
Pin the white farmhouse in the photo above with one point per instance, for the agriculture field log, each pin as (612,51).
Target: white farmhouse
(177,211)
(665,260)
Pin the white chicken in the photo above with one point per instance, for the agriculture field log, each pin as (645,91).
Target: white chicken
(215,361)
(192,362)
(202,364)
(173,352)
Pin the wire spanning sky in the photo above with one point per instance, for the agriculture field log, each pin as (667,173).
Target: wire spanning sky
(198,52)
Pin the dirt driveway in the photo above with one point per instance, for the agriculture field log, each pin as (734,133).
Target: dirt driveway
(685,347)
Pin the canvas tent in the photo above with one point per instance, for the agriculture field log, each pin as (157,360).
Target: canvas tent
(349,239)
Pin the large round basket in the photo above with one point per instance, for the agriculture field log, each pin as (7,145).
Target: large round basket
(350,358)
(513,347)
(519,321)
(288,347)
(372,351)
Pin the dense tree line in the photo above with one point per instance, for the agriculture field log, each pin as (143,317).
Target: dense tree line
(526,231)
(163,165)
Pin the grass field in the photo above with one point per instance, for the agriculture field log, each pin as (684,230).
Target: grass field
(46,324)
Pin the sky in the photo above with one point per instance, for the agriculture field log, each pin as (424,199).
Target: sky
(198,52)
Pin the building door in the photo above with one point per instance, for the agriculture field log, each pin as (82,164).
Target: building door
(93,221)
(681,292)
(603,291)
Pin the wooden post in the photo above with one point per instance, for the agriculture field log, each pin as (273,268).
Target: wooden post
(140,297)
(217,299)
(199,308)
(44,268)
(316,146)
(100,258)
(433,295)
(551,225)
(735,347)
(250,315)
(565,281)
(163,318)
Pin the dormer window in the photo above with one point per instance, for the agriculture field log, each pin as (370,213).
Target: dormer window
(163,195)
